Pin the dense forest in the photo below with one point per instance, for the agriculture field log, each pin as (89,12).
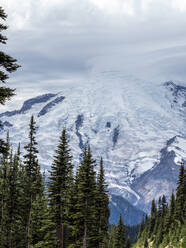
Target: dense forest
(69,208)
(166,225)
(66,210)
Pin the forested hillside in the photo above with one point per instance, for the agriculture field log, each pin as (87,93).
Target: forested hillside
(69,210)
(166,225)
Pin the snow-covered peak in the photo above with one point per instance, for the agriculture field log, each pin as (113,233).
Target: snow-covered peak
(127,121)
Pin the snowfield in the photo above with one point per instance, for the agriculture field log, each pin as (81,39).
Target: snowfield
(127,121)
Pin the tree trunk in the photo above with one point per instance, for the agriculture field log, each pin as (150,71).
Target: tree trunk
(62,239)
(85,236)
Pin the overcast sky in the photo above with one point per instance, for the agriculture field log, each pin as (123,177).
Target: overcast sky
(61,40)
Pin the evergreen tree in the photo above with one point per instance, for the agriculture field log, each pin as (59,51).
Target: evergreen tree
(180,196)
(8,65)
(33,179)
(102,205)
(112,234)
(152,217)
(38,215)
(85,229)
(13,203)
(120,241)
(4,171)
(10,194)
(169,220)
(6,62)
(60,176)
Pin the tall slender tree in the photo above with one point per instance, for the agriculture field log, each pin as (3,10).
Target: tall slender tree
(84,219)
(60,174)
(7,65)
(120,240)
(153,217)
(4,172)
(33,178)
(181,195)
(102,205)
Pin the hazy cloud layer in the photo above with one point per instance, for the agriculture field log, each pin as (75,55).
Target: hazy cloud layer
(68,39)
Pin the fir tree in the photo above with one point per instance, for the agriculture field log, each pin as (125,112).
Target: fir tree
(120,241)
(169,220)
(180,196)
(38,214)
(33,178)
(152,217)
(4,171)
(60,174)
(13,203)
(102,202)
(8,65)
(85,229)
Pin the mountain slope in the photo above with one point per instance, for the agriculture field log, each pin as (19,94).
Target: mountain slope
(127,121)
(130,214)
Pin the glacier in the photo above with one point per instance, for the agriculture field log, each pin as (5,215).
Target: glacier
(137,126)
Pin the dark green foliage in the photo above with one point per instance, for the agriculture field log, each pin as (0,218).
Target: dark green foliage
(169,220)
(120,241)
(102,202)
(132,232)
(59,186)
(146,243)
(70,213)
(33,179)
(85,229)
(11,228)
(7,63)
(153,217)
(181,196)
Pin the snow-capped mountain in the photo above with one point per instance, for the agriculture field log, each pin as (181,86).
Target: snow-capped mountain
(138,127)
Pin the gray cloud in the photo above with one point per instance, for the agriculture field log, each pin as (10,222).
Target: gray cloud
(70,38)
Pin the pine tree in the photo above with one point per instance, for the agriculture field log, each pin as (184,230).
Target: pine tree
(120,241)
(13,203)
(60,174)
(8,64)
(38,214)
(152,217)
(70,209)
(169,220)
(45,235)
(180,196)
(33,178)
(85,229)
(4,170)
(102,202)
(10,188)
